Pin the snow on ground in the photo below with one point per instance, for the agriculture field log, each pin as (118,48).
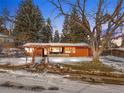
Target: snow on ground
(17,61)
(69,59)
(48,80)
(116,62)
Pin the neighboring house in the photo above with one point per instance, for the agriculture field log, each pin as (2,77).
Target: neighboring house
(119,52)
(5,39)
(118,40)
(59,49)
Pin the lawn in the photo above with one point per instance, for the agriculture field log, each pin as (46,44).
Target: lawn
(89,66)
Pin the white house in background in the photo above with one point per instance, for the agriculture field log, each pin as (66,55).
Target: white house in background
(118,40)
(6,39)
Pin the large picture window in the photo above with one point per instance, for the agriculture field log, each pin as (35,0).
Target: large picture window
(69,49)
(55,49)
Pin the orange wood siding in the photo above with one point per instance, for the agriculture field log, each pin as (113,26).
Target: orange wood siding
(38,52)
(81,52)
(75,51)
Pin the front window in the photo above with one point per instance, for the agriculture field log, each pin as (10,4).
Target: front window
(55,49)
(29,50)
(69,50)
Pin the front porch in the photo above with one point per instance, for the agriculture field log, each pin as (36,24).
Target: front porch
(52,51)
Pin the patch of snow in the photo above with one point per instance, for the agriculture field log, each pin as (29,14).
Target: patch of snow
(48,80)
(15,61)
(19,61)
(69,59)
(116,62)
(121,49)
(55,44)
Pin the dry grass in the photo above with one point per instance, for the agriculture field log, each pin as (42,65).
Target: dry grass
(90,66)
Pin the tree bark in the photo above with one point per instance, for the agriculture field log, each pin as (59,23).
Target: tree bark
(96,55)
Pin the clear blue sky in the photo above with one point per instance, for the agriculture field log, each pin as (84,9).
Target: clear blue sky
(45,7)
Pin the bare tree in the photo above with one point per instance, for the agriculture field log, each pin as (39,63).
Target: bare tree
(105,22)
(122,31)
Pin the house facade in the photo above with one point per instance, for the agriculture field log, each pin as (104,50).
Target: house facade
(6,41)
(58,49)
(119,52)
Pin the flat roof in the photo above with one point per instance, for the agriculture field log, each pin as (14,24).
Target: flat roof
(121,48)
(5,36)
(54,44)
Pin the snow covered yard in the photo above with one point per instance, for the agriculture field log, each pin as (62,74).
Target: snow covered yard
(48,80)
(113,61)
(18,61)
(116,62)
(15,61)
(69,59)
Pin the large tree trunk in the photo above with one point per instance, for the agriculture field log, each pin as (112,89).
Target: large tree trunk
(96,55)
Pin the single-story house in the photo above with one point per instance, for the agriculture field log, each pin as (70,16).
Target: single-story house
(58,49)
(119,52)
(118,39)
(5,39)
